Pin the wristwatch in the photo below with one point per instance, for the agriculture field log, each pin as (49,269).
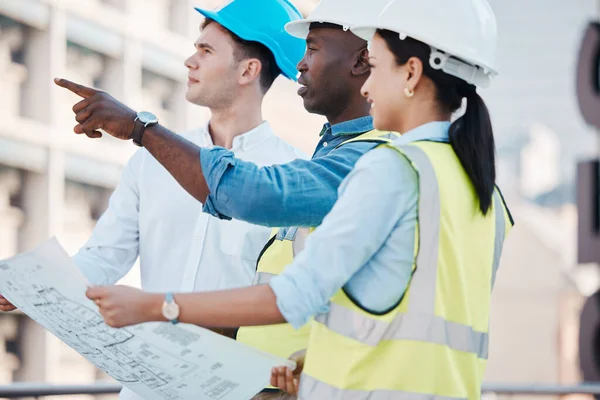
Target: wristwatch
(143,120)
(170,309)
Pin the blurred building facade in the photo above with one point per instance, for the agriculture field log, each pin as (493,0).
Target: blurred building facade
(54,183)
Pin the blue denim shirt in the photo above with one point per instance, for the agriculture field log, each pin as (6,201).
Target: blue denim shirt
(299,193)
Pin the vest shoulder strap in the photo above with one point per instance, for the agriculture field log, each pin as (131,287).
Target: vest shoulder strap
(373,136)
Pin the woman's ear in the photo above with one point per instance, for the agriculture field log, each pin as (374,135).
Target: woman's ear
(414,69)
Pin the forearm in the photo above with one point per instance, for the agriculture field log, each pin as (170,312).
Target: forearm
(299,193)
(180,157)
(255,305)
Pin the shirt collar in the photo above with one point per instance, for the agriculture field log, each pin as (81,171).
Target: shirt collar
(434,131)
(246,140)
(351,127)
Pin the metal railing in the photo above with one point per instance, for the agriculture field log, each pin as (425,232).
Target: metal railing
(541,389)
(26,389)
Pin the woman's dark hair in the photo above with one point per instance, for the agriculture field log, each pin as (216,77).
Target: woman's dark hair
(471,135)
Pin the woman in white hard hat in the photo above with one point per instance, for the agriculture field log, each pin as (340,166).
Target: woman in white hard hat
(419,224)
(426,57)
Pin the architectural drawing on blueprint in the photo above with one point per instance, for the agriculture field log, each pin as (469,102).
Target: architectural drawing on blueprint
(156,360)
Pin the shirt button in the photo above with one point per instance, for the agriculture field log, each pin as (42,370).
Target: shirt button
(324,144)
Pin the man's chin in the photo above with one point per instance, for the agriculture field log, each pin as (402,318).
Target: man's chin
(311,107)
(195,99)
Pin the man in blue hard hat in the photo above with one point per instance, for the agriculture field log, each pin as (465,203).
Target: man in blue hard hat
(241,50)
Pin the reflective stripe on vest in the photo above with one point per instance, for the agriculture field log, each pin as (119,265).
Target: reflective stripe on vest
(500,233)
(314,389)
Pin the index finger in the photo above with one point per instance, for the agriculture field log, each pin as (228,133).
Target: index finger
(76,88)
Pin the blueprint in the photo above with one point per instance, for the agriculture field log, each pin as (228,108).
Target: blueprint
(155,360)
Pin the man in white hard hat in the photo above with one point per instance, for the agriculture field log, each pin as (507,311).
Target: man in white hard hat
(299,193)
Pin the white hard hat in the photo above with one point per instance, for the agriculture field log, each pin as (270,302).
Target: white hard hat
(346,13)
(461,33)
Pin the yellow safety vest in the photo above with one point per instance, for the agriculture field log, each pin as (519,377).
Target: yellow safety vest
(434,343)
(282,339)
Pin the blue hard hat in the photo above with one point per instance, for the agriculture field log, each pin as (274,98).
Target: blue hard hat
(263,21)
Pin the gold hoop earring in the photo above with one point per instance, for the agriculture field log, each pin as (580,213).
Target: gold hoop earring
(408,93)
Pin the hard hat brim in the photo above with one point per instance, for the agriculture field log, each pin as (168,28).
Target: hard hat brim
(301,28)
(209,14)
(364,32)
(298,28)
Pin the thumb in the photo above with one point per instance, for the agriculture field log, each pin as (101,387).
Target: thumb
(298,357)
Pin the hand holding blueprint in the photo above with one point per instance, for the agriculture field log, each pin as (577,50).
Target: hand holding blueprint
(155,360)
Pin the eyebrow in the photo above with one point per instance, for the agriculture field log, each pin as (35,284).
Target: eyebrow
(311,41)
(204,45)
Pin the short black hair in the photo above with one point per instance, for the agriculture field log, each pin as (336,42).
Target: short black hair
(245,49)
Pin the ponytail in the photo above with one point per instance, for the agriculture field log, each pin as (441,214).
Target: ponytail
(472,139)
(471,135)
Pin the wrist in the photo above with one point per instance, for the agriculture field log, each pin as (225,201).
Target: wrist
(142,121)
(153,307)
(131,126)
(148,133)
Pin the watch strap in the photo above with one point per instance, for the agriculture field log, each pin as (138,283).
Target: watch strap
(170,299)
(138,132)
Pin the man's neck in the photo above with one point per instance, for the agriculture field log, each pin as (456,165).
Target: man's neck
(227,123)
(357,109)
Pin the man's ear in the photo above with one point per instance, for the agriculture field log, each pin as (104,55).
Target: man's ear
(249,71)
(361,63)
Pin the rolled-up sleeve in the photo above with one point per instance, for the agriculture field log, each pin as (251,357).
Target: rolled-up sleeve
(299,193)
(374,198)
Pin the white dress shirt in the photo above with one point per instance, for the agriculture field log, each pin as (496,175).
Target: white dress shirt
(181,249)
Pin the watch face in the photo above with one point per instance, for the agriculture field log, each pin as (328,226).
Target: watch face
(147,117)
(170,311)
